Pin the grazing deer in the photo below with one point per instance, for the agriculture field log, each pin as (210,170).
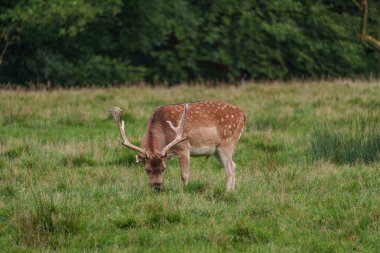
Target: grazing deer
(203,128)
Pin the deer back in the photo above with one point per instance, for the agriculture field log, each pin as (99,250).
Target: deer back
(206,123)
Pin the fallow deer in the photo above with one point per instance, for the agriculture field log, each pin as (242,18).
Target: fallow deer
(203,128)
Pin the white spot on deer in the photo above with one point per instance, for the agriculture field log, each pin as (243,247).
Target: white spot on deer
(227,116)
(232,116)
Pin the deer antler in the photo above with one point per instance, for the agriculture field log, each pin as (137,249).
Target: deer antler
(178,130)
(116,116)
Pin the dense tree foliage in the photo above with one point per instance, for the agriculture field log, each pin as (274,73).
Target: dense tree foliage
(114,41)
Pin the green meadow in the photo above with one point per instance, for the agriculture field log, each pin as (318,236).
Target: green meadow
(308,172)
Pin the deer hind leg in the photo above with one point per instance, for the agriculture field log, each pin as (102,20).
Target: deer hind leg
(224,155)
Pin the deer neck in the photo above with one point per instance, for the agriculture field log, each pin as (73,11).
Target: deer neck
(155,140)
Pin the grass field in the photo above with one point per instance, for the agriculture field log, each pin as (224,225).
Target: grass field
(308,174)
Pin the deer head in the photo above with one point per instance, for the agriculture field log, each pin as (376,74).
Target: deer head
(154,163)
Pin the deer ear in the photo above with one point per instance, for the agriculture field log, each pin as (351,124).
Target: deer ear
(139,159)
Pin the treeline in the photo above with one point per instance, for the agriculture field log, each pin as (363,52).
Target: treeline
(99,42)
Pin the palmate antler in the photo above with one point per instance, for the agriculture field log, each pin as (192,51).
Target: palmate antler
(116,116)
(178,130)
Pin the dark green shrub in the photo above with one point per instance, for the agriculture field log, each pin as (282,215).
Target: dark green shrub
(173,41)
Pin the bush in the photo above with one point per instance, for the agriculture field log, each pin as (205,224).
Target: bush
(173,41)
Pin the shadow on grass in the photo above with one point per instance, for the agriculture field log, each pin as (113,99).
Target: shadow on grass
(196,187)
(249,233)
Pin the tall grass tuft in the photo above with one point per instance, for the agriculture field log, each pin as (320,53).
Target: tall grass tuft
(47,222)
(16,152)
(163,213)
(357,141)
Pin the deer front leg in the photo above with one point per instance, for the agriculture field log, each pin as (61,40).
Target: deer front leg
(184,164)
